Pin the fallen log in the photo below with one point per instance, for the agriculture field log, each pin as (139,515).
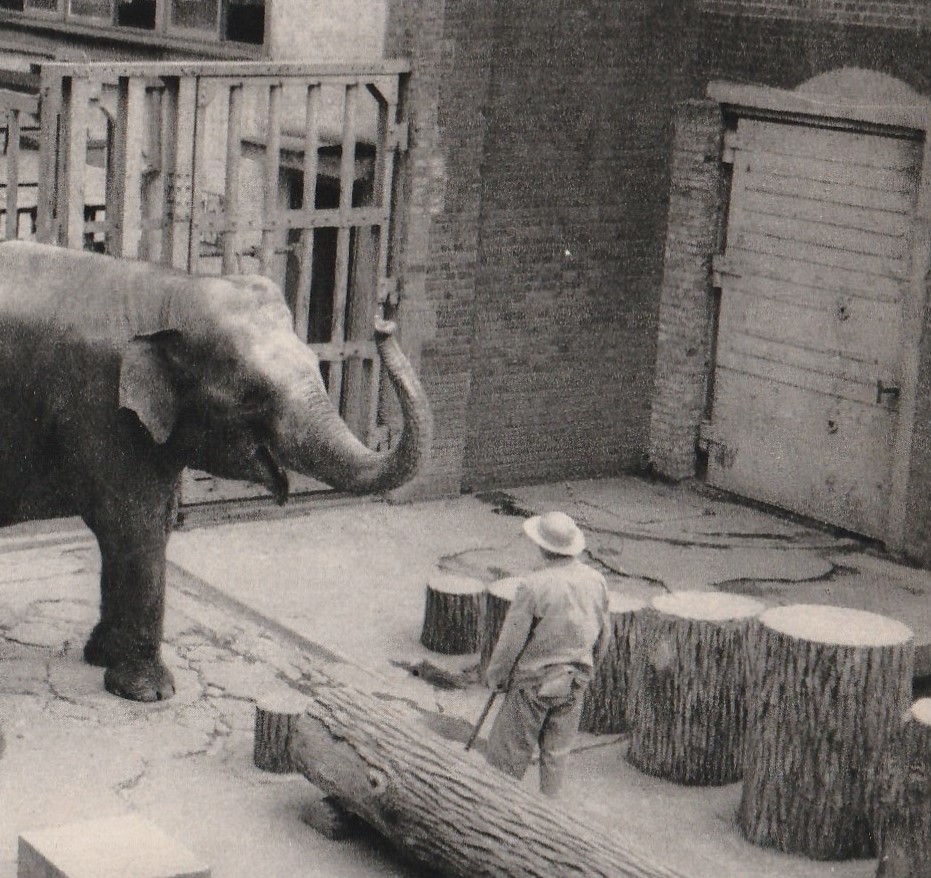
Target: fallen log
(453,609)
(604,708)
(905,818)
(827,687)
(687,683)
(443,806)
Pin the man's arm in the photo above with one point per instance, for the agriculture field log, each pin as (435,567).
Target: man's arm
(518,623)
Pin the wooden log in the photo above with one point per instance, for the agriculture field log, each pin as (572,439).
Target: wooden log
(275,715)
(905,806)
(826,689)
(443,806)
(498,599)
(604,709)
(687,680)
(453,611)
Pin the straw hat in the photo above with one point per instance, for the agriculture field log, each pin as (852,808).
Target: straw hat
(556,532)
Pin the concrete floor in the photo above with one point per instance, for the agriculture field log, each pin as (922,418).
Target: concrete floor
(256,604)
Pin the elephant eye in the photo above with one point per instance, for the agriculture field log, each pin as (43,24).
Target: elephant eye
(254,402)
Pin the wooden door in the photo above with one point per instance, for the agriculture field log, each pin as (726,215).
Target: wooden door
(812,281)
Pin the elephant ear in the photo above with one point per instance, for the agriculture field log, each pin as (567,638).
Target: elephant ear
(147,382)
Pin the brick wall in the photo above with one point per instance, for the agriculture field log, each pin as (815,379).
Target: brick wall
(574,185)
(438,235)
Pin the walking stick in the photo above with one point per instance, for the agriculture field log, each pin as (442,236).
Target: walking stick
(494,695)
(481,719)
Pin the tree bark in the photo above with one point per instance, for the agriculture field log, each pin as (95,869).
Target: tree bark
(453,612)
(604,710)
(442,806)
(826,689)
(905,806)
(687,680)
(498,599)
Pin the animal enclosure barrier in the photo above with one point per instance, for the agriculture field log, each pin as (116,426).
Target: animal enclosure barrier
(281,169)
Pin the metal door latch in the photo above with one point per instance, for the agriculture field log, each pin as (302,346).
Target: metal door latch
(886,390)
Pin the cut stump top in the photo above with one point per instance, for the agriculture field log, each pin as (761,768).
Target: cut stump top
(840,626)
(451,584)
(505,589)
(708,606)
(921,711)
(618,604)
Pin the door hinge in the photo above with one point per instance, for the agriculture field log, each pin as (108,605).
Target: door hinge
(732,142)
(399,139)
(886,390)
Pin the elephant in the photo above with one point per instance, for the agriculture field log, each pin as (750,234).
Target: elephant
(116,374)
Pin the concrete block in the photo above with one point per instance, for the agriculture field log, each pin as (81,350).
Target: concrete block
(111,847)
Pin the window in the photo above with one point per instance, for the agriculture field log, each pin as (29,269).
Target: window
(234,21)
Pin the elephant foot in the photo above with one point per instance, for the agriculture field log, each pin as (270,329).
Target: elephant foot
(140,680)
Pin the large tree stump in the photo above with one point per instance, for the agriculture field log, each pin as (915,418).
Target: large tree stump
(827,688)
(498,600)
(604,710)
(905,806)
(453,611)
(687,679)
(443,806)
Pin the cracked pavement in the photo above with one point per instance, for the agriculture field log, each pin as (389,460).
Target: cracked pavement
(256,605)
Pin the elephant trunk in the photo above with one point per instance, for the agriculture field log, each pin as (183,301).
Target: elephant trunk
(315,441)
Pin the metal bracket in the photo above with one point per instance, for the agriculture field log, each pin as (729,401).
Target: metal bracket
(732,142)
(883,390)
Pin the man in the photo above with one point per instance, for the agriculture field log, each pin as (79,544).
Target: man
(555,633)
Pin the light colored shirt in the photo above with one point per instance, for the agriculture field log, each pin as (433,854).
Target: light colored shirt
(558,623)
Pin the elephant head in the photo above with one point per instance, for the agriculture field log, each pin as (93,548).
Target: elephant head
(222,376)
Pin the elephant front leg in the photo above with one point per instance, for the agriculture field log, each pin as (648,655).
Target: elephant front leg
(127,639)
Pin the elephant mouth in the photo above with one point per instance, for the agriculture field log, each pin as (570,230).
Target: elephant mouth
(276,476)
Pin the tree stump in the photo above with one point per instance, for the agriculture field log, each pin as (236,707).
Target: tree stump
(905,806)
(604,710)
(687,681)
(275,716)
(827,689)
(445,807)
(452,615)
(498,600)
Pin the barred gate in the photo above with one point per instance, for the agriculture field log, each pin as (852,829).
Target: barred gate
(216,167)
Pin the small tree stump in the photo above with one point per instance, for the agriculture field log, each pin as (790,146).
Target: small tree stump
(905,807)
(827,689)
(687,680)
(498,600)
(452,615)
(604,710)
(275,716)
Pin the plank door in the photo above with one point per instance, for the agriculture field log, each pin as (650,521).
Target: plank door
(805,388)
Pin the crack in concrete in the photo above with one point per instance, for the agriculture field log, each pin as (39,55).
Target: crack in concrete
(614,571)
(129,784)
